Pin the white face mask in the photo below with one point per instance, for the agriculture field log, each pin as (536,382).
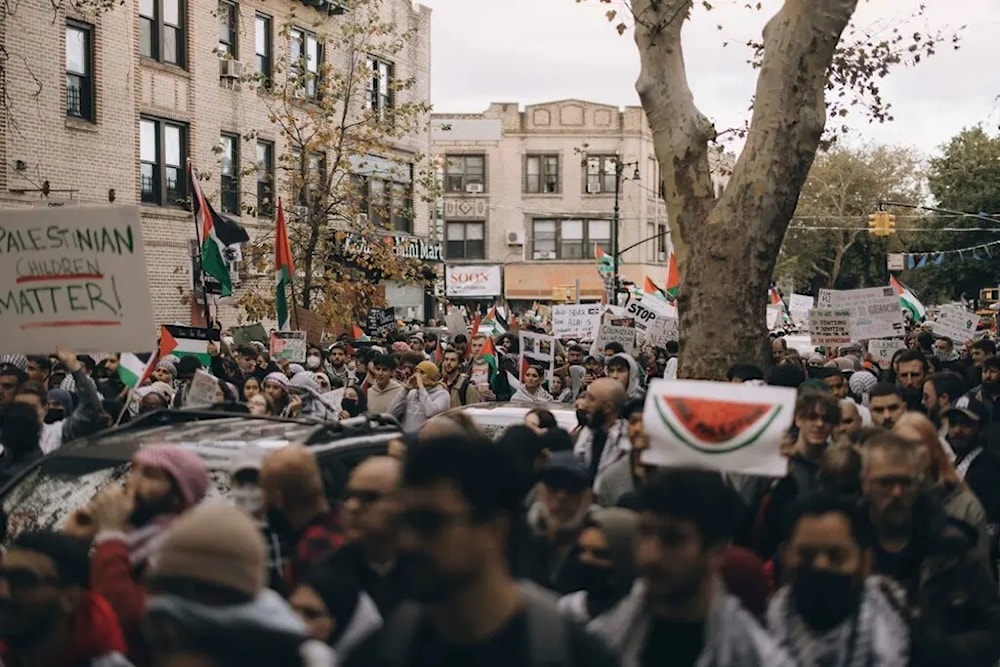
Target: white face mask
(313,362)
(250,499)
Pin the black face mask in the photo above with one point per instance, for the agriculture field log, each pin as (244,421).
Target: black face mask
(147,509)
(581,417)
(351,406)
(53,416)
(596,580)
(596,420)
(824,599)
(277,522)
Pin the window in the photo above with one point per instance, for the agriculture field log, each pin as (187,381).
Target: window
(380,86)
(80,71)
(262,47)
(230,174)
(265,178)
(229,17)
(313,180)
(569,239)
(305,58)
(162,154)
(387,203)
(161,31)
(541,174)
(461,171)
(661,239)
(601,174)
(466,240)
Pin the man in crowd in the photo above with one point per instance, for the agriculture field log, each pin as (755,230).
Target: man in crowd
(337,366)
(980,351)
(604,438)
(887,404)
(458,384)
(385,389)
(911,372)
(941,390)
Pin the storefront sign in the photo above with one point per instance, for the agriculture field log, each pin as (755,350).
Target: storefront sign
(473,281)
(406,247)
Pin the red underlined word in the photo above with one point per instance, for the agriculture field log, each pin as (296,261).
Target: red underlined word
(56,325)
(73,276)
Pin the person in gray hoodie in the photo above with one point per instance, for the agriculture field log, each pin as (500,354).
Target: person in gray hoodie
(426,397)
(625,369)
(383,388)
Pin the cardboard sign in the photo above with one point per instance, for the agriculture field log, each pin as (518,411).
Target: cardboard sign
(875,311)
(310,322)
(829,327)
(662,330)
(536,350)
(643,314)
(956,323)
(381,321)
(289,345)
(249,334)
(76,277)
(774,315)
(456,323)
(882,350)
(575,321)
(800,305)
(204,389)
(717,425)
(609,333)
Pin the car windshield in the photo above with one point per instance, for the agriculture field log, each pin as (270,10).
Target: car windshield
(44,499)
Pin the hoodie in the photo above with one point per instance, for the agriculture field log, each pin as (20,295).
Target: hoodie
(267,614)
(381,400)
(634,388)
(95,638)
(82,421)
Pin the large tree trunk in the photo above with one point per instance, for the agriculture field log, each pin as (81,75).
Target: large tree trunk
(726,249)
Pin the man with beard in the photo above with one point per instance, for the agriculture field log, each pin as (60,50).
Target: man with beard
(48,614)
(129,524)
(887,404)
(911,372)
(832,612)
(624,477)
(604,437)
(460,507)
(563,507)
(941,390)
(978,467)
(988,393)
(948,584)
(679,612)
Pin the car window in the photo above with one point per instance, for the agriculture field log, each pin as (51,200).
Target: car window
(44,499)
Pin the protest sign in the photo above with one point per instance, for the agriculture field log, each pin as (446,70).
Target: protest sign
(381,321)
(575,321)
(956,323)
(289,345)
(456,323)
(662,330)
(643,313)
(829,327)
(610,333)
(799,306)
(310,322)
(774,315)
(203,391)
(882,350)
(536,350)
(76,277)
(875,311)
(249,334)
(717,425)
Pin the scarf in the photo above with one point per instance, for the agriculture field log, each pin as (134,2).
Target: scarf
(876,636)
(144,543)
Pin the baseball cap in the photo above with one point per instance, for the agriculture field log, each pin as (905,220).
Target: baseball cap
(565,469)
(969,408)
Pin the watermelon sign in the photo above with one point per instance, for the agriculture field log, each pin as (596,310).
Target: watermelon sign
(718,425)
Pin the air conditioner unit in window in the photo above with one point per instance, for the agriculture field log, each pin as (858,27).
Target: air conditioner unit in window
(544,254)
(233,254)
(593,188)
(474,188)
(662,256)
(231,69)
(515,238)
(302,211)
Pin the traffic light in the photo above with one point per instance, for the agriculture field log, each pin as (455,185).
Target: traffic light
(873,223)
(890,220)
(881,223)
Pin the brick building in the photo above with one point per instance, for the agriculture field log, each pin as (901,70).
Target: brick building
(529,193)
(110,106)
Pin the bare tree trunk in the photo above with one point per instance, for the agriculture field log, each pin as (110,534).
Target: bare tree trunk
(727,250)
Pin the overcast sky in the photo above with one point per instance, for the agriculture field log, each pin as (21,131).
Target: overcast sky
(532,51)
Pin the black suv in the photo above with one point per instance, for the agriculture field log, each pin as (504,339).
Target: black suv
(45,494)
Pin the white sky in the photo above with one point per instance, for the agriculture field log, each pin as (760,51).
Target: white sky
(532,51)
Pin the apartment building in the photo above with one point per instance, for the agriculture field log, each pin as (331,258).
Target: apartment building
(529,194)
(109,106)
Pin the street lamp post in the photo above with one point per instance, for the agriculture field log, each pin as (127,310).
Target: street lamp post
(619,170)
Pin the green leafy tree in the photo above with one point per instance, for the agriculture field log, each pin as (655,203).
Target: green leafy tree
(350,163)
(811,66)
(844,186)
(965,178)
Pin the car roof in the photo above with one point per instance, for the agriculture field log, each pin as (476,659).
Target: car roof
(216,436)
(505,414)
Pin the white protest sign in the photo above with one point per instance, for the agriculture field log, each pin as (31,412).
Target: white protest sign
(456,323)
(662,330)
(882,350)
(875,311)
(642,314)
(204,387)
(289,345)
(956,323)
(717,425)
(800,305)
(575,321)
(609,333)
(537,350)
(774,313)
(74,277)
(829,327)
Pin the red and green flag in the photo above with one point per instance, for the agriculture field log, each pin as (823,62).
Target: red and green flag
(673,279)
(284,269)
(650,289)
(605,262)
(217,233)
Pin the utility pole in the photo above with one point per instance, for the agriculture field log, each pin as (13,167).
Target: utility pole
(619,170)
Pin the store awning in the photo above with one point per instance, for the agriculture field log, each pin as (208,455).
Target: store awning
(536,281)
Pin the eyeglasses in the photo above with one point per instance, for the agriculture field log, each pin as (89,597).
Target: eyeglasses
(21,581)
(363,496)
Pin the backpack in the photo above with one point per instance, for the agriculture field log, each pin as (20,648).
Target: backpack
(548,637)
(463,391)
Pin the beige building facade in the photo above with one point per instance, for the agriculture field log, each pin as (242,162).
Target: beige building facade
(110,106)
(528,193)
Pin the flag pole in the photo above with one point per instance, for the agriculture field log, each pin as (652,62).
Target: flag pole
(198,241)
(291,276)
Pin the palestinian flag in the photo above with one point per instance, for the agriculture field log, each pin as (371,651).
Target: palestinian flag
(187,341)
(217,232)
(673,278)
(499,323)
(489,355)
(133,369)
(605,262)
(283,269)
(908,300)
(358,334)
(650,289)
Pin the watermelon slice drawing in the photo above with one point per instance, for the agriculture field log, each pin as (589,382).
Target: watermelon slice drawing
(713,426)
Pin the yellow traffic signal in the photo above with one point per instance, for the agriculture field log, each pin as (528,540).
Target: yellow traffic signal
(873,223)
(881,223)
(890,227)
